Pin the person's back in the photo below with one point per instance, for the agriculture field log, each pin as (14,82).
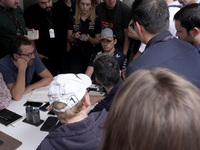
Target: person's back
(154,110)
(162,49)
(107,73)
(84,135)
(71,103)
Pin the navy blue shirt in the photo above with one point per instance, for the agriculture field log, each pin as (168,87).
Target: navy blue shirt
(173,53)
(107,101)
(198,48)
(120,57)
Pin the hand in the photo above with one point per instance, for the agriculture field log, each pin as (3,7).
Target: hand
(20,63)
(28,89)
(33,30)
(77,35)
(86,38)
(123,74)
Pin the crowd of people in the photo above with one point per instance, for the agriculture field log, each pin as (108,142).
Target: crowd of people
(145,56)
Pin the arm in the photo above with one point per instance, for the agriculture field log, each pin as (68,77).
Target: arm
(39,55)
(46,79)
(94,41)
(72,36)
(17,89)
(126,42)
(89,71)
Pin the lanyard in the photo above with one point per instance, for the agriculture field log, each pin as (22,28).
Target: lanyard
(162,40)
(12,17)
(49,19)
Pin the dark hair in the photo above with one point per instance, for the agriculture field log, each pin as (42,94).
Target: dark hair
(152,14)
(189,16)
(154,110)
(16,42)
(106,70)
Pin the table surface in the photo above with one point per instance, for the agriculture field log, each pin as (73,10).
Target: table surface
(29,135)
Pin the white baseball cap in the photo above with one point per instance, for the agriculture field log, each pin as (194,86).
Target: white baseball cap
(69,89)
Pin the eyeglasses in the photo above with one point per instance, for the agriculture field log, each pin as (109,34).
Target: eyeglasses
(28,55)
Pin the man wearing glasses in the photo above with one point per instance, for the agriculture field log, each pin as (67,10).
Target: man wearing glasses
(19,66)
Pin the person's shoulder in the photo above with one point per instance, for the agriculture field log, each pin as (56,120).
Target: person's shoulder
(118,54)
(5,59)
(58,7)
(19,9)
(31,8)
(123,5)
(100,6)
(5,63)
(99,115)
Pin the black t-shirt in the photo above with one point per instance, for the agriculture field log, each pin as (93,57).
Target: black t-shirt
(120,57)
(85,27)
(43,21)
(117,19)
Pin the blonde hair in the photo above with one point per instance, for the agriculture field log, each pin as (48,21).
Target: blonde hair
(70,113)
(154,110)
(78,13)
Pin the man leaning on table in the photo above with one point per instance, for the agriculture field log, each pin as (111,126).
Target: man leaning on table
(19,66)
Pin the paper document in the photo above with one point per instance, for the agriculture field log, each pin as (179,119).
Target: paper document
(39,95)
(33,35)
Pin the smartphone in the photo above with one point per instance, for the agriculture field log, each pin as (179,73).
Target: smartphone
(33,104)
(45,107)
(49,123)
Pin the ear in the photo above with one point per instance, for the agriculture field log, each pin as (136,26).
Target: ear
(115,41)
(16,56)
(194,32)
(87,99)
(97,80)
(138,26)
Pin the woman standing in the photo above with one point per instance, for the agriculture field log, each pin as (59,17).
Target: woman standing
(84,35)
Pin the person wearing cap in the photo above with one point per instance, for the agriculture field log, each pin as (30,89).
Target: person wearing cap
(116,15)
(70,101)
(108,42)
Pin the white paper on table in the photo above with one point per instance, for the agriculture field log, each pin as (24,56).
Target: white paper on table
(39,95)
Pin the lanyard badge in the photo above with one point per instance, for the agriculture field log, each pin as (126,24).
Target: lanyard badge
(51,33)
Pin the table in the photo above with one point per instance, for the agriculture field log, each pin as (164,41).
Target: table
(30,135)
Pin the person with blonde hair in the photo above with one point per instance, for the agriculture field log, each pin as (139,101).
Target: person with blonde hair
(70,101)
(154,110)
(84,34)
